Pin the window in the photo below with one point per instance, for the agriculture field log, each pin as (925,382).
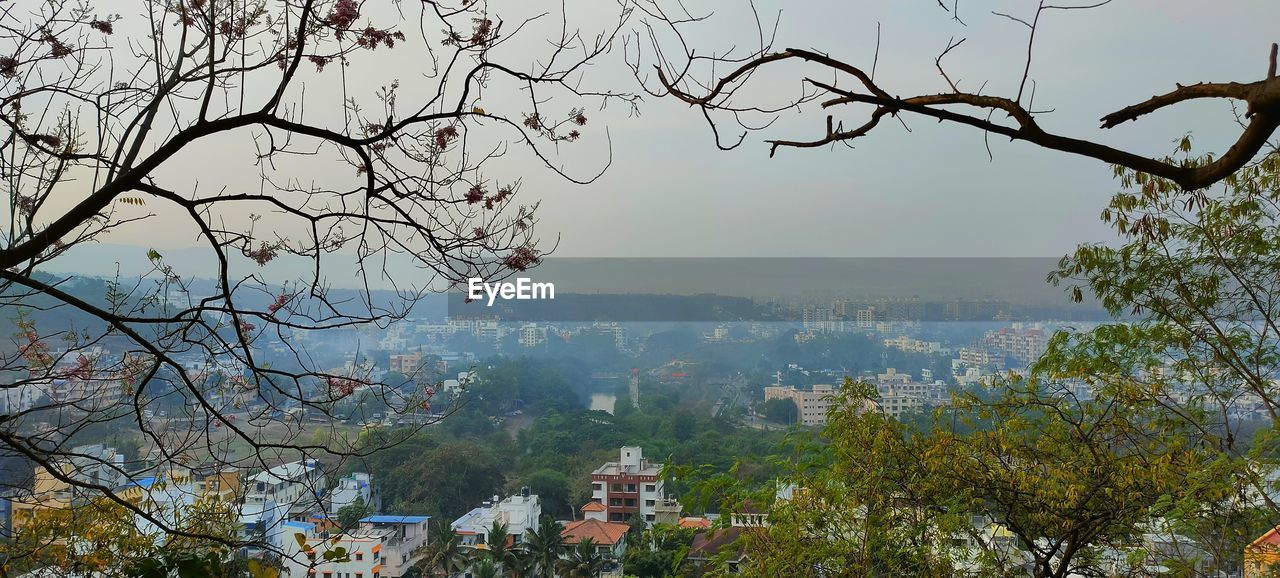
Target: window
(631,503)
(597,486)
(615,488)
(648,502)
(615,501)
(631,487)
(650,488)
(615,517)
(359,556)
(648,517)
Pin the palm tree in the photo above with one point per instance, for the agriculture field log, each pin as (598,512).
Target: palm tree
(484,567)
(519,563)
(584,561)
(502,554)
(445,554)
(545,545)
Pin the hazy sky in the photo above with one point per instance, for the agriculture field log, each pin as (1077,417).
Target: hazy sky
(932,192)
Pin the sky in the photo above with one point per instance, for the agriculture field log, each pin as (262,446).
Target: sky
(930,192)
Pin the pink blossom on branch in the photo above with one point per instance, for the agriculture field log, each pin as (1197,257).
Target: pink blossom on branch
(521,258)
(344,14)
(263,254)
(340,387)
(371,37)
(281,301)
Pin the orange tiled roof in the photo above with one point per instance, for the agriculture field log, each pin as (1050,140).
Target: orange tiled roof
(695,522)
(600,532)
(593,507)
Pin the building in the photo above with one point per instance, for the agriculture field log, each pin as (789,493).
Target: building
(628,487)
(896,405)
(712,543)
(980,358)
(407,364)
(217,482)
(813,405)
(520,513)
(532,335)
(1262,556)
(667,511)
(1022,344)
(594,511)
(865,317)
(382,547)
(356,487)
(296,487)
(20,398)
(610,538)
(455,386)
(909,345)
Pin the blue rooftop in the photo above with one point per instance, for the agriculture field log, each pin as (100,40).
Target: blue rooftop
(144,482)
(296,524)
(395,519)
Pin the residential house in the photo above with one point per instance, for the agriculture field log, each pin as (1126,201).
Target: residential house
(610,538)
(520,513)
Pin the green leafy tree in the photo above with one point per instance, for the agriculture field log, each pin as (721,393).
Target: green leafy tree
(349,516)
(660,553)
(783,411)
(553,488)
(1194,288)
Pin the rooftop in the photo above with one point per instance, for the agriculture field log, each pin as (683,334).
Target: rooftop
(467,519)
(616,468)
(709,543)
(285,472)
(695,522)
(394,519)
(599,532)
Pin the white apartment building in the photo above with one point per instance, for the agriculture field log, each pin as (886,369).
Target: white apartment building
(910,345)
(453,386)
(295,487)
(357,486)
(897,404)
(532,335)
(382,547)
(520,513)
